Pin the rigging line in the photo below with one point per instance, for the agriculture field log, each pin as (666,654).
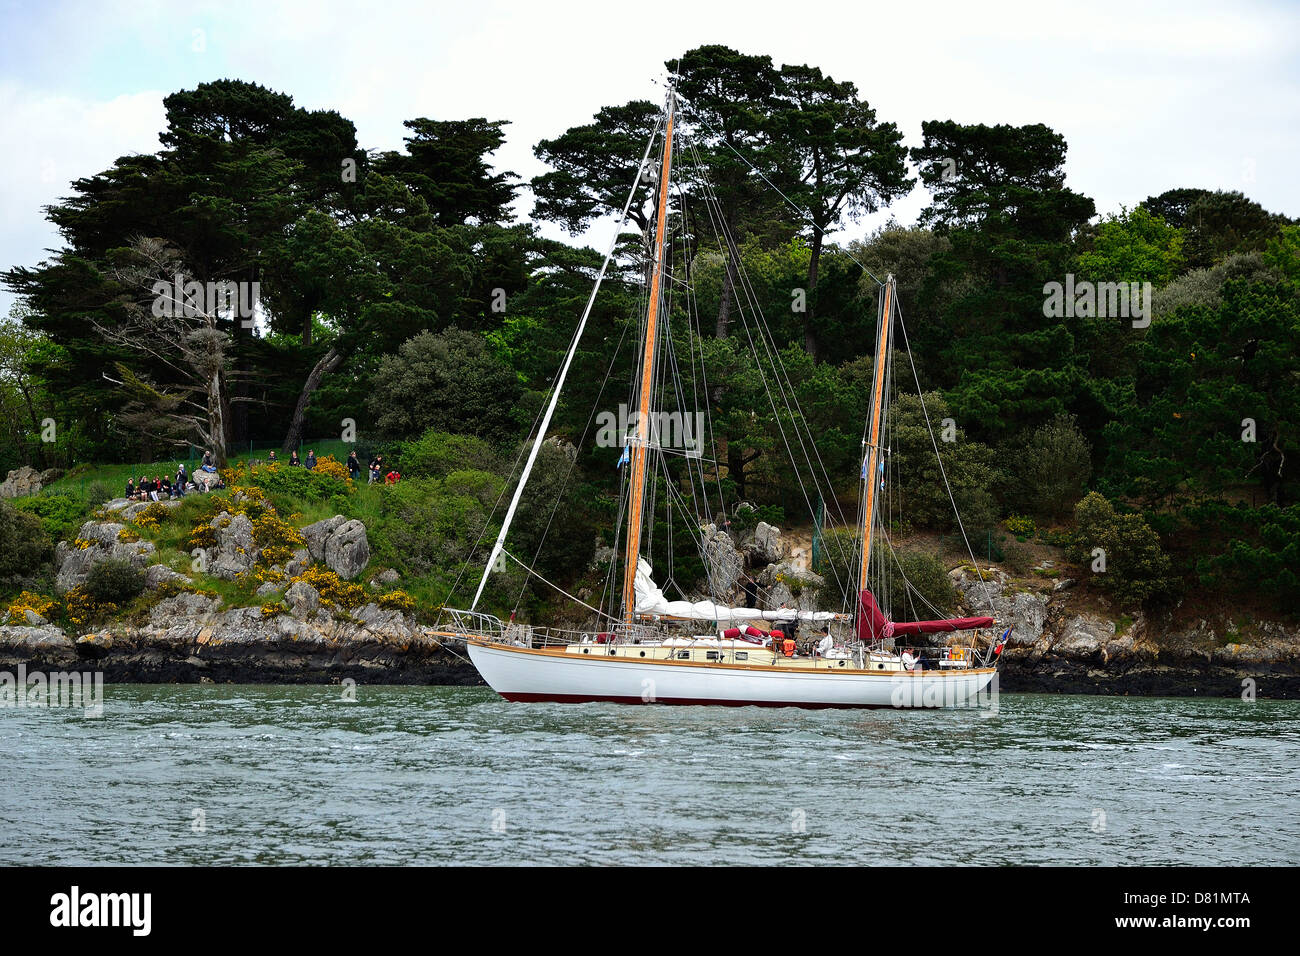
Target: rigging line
(613,359)
(784,383)
(790,202)
(696,337)
(539,577)
(559,381)
(943,471)
(779,371)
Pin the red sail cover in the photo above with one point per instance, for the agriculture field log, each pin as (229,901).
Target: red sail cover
(872,624)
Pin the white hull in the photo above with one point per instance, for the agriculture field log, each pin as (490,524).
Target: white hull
(522,674)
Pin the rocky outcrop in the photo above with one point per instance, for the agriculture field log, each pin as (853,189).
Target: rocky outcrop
(763,546)
(192,637)
(96,541)
(725,564)
(785,585)
(26,480)
(236,552)
(339,542)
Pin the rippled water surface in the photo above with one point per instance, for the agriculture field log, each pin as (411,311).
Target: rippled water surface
(456,775)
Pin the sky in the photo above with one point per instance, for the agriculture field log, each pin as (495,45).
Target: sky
(1148,95)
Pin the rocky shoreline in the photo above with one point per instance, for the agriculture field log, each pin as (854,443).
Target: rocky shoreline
(1065,639)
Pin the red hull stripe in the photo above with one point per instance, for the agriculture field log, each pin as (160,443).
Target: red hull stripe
(594,699)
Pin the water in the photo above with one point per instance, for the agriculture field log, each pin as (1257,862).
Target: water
(296,775)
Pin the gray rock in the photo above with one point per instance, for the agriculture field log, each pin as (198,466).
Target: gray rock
(1083,634)
(21,482)
(235,553)
(23,638)
(316,535)
(298,563)
(763,545)
(388,576)
(347,550)
(267,588)
(1063,584)
(156,575)
(725,564)
(303,599)
(34,619)
(785,585)
(74,562)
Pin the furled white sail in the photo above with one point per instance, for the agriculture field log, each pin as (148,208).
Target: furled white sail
(651,600)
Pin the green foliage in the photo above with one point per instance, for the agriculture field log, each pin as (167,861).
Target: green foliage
(60,514)
(436,454)
(446,381)
(1136,567)
(114,582)
(971,467)
(298,483)
(24,543)
(1051,469)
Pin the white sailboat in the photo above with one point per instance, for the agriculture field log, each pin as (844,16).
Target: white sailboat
(651,649)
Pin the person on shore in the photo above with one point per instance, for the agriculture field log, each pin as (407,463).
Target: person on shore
(354,465)
(293,460)
(130,489)
(166,487)
(376,469)
(392,478)
(180,481)
(142,488)
(311,459)
(271,459)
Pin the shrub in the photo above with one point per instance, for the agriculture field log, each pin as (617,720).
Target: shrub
(1021,526)
(437,454)
(24,541)
(114,582)
(82,607)
(1136,567)
(333,590)
(152,515)
(29,601)
(60,515)
(397,600)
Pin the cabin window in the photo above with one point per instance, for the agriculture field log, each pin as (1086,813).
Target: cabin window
(742,655)
(585,651)
(683,655)
(711,655)
(643,653)
(880,667)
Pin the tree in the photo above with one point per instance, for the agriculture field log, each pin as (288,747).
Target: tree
(448,381)
(1131,565)
(1052,467)
(595,166)
(729,98)
(845,163)
(446,165)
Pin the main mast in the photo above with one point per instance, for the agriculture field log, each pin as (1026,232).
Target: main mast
(639,445)
(872,466)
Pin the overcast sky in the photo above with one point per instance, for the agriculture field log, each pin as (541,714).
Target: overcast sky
(1149,96)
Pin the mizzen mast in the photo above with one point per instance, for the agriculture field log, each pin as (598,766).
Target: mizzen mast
(642,440)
